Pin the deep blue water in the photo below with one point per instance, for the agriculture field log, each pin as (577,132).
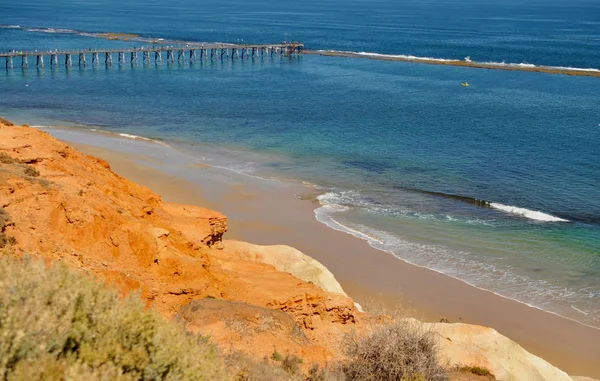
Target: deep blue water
(401,151)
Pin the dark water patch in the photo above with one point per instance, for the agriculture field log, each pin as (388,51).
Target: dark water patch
(465,199)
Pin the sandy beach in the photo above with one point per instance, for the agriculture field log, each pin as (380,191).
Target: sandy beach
(274,212)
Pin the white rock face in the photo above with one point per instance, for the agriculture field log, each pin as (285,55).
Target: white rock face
(473,345)
(460,344)
(290,260)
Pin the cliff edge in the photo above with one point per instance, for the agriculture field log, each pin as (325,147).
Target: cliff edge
(62,205)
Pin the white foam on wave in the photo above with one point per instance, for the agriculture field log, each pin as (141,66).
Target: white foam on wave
(501,64)
(10,26)
(130,136)
(497,278)
(403,56)
(532,66)
(380,55)
(330,200)
(523,65)
(531,214)
(137,137)
(325,213)
(51,30)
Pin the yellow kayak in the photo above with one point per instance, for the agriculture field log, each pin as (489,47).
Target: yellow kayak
(465,84)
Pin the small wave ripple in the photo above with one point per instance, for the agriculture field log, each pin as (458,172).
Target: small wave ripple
(482,271)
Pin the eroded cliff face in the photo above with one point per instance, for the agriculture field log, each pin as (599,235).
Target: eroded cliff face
(60,204)
(68,206)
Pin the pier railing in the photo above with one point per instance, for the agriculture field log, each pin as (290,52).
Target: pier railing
(154,53)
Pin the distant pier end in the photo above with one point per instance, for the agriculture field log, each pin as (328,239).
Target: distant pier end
(147,54)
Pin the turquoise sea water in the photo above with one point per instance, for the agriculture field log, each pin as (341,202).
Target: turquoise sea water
(495,184)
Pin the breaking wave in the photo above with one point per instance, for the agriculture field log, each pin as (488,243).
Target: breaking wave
(466,62)
(514,210)
(487,273)
(531,214)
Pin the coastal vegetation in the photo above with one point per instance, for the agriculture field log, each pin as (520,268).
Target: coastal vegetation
(5,240)
(398,350)
(184,304)
(58,324)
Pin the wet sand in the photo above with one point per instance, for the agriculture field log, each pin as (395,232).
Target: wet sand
(272,212)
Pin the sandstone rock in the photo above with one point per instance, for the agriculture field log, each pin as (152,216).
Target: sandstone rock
(472,345)
(257,331)
(80,212)
(287,259)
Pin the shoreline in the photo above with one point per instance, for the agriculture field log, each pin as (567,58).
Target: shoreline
(261,215)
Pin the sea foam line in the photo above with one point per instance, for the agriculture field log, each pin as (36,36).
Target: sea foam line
(323,215)
(467,62)
(531,214)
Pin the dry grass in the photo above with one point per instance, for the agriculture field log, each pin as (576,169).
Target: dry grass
(6,122)
(246,369)
(5,241)
(7,159)
(480,371)
(56,325)
(30,171)
(400,350)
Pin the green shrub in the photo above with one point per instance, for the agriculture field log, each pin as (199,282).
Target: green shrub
(399,351)
(56,324)
(276,356)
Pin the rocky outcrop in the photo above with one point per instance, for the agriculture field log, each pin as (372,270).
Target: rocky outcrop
(473,345)
(289,260)
(64,205)
(68,206)
(256,331)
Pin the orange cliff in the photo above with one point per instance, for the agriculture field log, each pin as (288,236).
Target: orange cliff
(73,208)
(66,206)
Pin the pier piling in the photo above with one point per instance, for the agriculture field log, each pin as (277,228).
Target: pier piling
(189,53)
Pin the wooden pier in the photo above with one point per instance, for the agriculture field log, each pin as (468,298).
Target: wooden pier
(148,54)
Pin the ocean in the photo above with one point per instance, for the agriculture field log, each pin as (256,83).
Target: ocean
(496,184)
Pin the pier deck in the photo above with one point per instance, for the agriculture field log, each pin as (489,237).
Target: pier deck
(189,52)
